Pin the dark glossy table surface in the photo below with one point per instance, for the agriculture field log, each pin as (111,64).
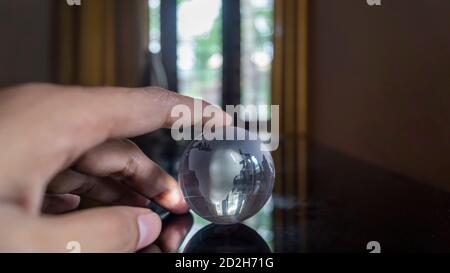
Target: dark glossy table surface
(350,204)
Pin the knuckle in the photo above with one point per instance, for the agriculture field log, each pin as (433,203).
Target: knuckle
(131,163)
(162,96)
(129,168)
(164,100)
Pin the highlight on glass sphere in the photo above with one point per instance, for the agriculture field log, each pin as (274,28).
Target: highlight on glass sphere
(226,181)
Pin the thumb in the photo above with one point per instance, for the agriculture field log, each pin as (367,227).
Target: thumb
(111,229)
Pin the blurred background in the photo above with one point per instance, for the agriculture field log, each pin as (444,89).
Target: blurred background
(364,93)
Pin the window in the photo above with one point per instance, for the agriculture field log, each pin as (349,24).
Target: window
(155,26)
(257,53)
(217,50)
(199,49)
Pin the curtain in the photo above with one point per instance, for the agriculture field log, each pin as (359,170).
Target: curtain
(289,90)
(101,42)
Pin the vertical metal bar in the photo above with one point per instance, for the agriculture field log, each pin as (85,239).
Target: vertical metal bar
(231,29)
(169,41)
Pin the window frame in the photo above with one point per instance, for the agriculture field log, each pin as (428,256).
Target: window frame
(231,48)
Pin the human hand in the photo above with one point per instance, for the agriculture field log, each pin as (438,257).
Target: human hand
(69,142)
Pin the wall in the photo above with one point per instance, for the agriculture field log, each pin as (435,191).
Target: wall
(380,83)
(25,41)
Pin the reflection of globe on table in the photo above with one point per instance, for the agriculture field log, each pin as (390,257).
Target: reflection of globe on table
(226,181)
(227,239)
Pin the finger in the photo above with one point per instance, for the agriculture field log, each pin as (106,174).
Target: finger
(68,181)
(111,229)
(153,248)
(60,203)
(124,160)
(174,232)
(97,114)
(86,117)
(104,190)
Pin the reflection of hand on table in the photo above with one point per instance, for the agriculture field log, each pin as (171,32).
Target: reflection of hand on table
(173,232)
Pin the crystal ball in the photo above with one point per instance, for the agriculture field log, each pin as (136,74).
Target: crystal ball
(226,181)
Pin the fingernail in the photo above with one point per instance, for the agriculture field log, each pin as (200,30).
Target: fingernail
(149,229)
(179,205)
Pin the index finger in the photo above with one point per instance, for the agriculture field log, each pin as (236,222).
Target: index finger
(124,112)
(93,115)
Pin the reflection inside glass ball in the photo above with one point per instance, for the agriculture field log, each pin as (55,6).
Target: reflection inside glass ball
(226,181)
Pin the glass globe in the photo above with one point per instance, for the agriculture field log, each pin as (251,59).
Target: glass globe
(226,181)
